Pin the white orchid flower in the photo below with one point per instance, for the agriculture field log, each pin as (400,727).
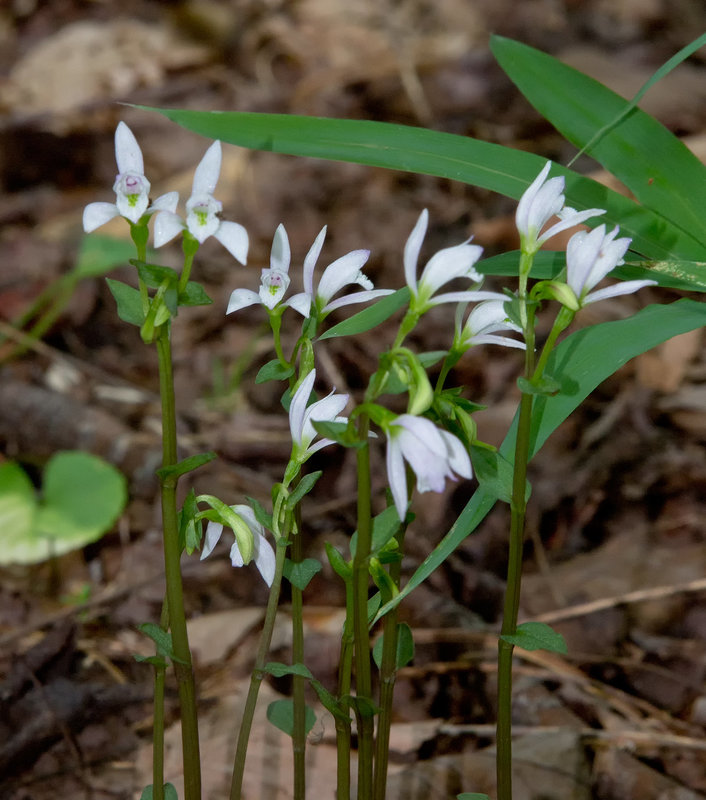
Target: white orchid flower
(483,324)
(131,187)
(202,211)
(344,271)
(434,455)
(442,267)
(273,281)
(590,256)
(542,200)
(301,417)
(263,554)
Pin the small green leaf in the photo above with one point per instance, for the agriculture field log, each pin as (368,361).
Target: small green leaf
(161,638)
(170,793)
(274,371)
(340,432)
(156,661)
(186,465)
(194,295)
(545,386)
(373,606)
(300,573)
(190,528)
(405,647)
(495,473)
(472,796)
(154,275)
(362,706)
(281,714)
(537,636)
(279,670)
(18,506)
(305,485)
(370,317)
(261,515)
(385,526)
(128,300)
(338,563)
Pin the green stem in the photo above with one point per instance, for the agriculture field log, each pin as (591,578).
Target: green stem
(236,787)
(343,727)
(388,673)
(158,721)
(175,596)
(364,690)
(518,510)
(299,682)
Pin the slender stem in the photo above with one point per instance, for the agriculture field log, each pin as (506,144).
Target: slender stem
(361,634)
(343,727)
(258,674)
(299,682)
(517,533)
(158,720)
(175,596)
(388,674)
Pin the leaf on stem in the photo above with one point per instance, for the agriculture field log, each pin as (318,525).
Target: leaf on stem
(281,714)
(536,636)
(405,647)
(300,573)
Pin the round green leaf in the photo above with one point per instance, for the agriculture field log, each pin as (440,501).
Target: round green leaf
(82,498)
(18,507)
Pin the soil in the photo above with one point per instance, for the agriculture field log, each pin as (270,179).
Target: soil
(616,555)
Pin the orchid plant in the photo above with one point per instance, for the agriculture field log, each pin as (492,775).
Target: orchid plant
(433,442)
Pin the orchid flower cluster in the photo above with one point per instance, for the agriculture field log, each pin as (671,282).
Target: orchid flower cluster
(427,445)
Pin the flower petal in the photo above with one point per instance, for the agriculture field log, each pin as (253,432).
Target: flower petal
(396,476)
(281,254)
(97,214)
(208,170)
(324,410)
(459,460)
(127,151)
(273,285)
(450,263)
(167,225)
(412,248)
(524,207)
(242,298)
(472,296)
(569,221)
(356,297)
(213,534)
(300,302)
(581,253)
(202,216)
(342,272)
(626,287)
(234,238)
(310,262)
(297,408)
(166,202)
(265,559)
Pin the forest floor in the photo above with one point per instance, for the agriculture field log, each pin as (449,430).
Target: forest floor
(617,550)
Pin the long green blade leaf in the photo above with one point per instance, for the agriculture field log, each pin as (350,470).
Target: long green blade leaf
(584,360)
(663,174)
(446,155)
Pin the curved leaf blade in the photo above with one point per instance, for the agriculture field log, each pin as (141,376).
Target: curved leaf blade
(460,158)
(663,174)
